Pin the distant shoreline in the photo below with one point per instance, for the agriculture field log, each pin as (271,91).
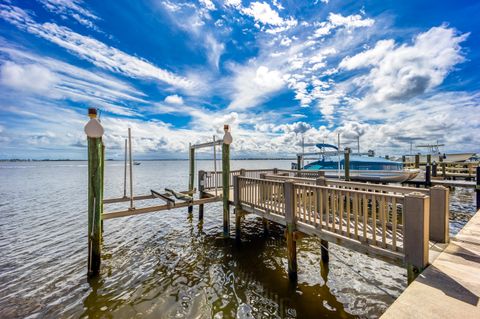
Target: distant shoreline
(151,160)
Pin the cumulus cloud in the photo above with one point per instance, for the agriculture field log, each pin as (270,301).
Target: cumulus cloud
(404,71)
(30,77)
(174,99)
(253,84)
(264,15)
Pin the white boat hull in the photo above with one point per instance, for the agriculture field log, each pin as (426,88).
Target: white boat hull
(376,176)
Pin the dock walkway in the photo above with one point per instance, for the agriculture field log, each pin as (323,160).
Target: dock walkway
(450,287)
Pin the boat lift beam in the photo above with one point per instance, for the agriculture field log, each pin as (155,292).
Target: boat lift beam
(333,153)
(208,144)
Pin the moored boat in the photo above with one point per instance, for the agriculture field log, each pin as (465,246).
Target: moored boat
(362,168)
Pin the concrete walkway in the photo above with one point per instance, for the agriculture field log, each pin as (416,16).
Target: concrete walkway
(450,287)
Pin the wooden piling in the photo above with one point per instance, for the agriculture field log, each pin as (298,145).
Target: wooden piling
(125,172)
(434,169)
(444,170)
(324,251)
(227,139)
(94,132)
(290,220)
(428,178)
(439,209)
(429,159)
(131,166)
(299,162)
(416,233)
(346,163)
(201,193)
(417,160)
(477,187)
(191,174)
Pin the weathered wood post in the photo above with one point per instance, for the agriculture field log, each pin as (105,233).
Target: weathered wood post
(299,163)
(191,175)
(429,159)
(477,187)
(236,202)
(227,140)
(201,188)
(346,163)
(444,170)
(434,169)
(125,172)
(263,194)
(404,159)
(416,234)
(321,181)
(417,160)
(94,131)
(290,219)
(428,178)
(439,208)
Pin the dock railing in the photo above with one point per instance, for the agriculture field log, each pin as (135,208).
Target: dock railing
(395,226)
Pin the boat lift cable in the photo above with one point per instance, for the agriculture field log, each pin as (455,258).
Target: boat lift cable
(359,273)
(215,164)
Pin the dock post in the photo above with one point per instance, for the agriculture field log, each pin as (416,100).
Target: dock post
(477,188)
(417,160)
(439,209)
(191,175)
(299,163)
(227,140)
(346,163)
(429,159)
(444,171)
(416,233)
(236,202)
(290,219)
(404,159)
(321,181)
(428,178)
(201,187)
(434,169)
(94,131)
(263,197)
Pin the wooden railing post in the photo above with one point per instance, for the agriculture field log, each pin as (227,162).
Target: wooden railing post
(290,219)
(321,181)
(416,233)
(477,187)
(242,172)
(275,171)
(236,202)
(439,208)
(201,188)
(94,131)
(262,196)
(191,175)
(227,140)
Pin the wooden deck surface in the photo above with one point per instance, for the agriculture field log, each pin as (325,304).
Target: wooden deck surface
(450,286)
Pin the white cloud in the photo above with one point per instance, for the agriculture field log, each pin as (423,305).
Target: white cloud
(92,50)
(174,99)
(71,8)
(233,3)
(253,84)
(263,14)
(351,21)
(208,4)
(402,72)
(30,77)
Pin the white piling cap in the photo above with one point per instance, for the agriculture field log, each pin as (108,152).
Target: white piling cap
(93,128)
(227,137)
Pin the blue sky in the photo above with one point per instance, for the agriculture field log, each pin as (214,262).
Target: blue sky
(389,72)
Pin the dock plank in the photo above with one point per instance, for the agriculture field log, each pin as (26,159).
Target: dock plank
(450,286)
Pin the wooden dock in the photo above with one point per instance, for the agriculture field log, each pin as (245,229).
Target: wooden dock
(450,287)
(389,222)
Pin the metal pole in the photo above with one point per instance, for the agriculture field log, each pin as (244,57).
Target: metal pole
(227,139)
(191,174)
(131,166)
(346,163)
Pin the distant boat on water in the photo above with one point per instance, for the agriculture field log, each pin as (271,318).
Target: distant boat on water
(136,163)
(362,168)
(437,156)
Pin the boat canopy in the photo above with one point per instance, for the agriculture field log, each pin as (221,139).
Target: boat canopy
(324,145)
